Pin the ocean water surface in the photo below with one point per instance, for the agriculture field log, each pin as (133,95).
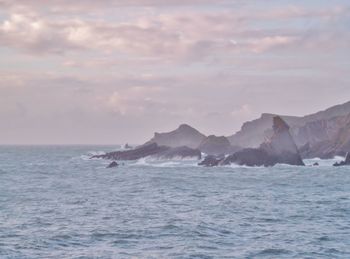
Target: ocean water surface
(57,203)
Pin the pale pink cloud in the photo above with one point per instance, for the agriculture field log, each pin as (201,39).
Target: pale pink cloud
(118,70)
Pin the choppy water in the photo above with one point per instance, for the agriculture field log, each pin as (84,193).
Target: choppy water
(54,203)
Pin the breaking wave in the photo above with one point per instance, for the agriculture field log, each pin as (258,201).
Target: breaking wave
(154,162)
(323,162)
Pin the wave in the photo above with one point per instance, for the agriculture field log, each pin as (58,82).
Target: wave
(242,166)
(88,156)
(323,162)
(156,162)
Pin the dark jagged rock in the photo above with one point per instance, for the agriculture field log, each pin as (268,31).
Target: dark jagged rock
(214,145)
(346,162)
(113,164)
(152,150)
(281,145)
(185,135)
(255,132)
(250,157)
(179,152)
(211,161)
(279,148)
(134,154)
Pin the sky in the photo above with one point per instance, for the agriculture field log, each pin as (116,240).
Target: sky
(116,71)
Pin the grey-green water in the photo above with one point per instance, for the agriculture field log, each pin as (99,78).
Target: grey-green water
(55,203)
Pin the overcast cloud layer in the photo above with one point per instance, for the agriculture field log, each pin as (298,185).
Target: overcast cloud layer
(108,71)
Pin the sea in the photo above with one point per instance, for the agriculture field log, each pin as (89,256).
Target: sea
(56,202)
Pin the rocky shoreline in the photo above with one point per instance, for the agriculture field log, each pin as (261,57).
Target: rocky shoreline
(282,140)
(280,148)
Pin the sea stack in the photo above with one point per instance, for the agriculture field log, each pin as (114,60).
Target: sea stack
(281,145)
(280,148)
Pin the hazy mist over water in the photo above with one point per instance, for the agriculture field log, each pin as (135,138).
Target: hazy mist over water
(55,203)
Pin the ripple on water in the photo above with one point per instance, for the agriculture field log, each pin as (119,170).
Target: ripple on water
(273,252)
(52,206)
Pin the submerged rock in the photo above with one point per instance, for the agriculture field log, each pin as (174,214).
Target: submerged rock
(346,162)
(153,150)
(113,164)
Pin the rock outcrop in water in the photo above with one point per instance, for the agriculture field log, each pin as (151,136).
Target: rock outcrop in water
(281,145)
(346,162)
(279,148)
(134,154)
(185,135)
(113,164)
(152,150)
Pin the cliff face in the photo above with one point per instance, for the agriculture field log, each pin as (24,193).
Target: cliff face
(185,135)
(311,133)
(326,138)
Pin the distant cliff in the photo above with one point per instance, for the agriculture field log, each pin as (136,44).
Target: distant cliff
(269,140)
(325,138)
(184,135)
(320,134)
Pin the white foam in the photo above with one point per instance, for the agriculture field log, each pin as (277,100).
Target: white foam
(323,162)
(156,162)
(241,166)
(96,153)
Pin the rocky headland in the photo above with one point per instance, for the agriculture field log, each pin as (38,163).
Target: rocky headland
(324,134)
(152,150)
(267,141)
